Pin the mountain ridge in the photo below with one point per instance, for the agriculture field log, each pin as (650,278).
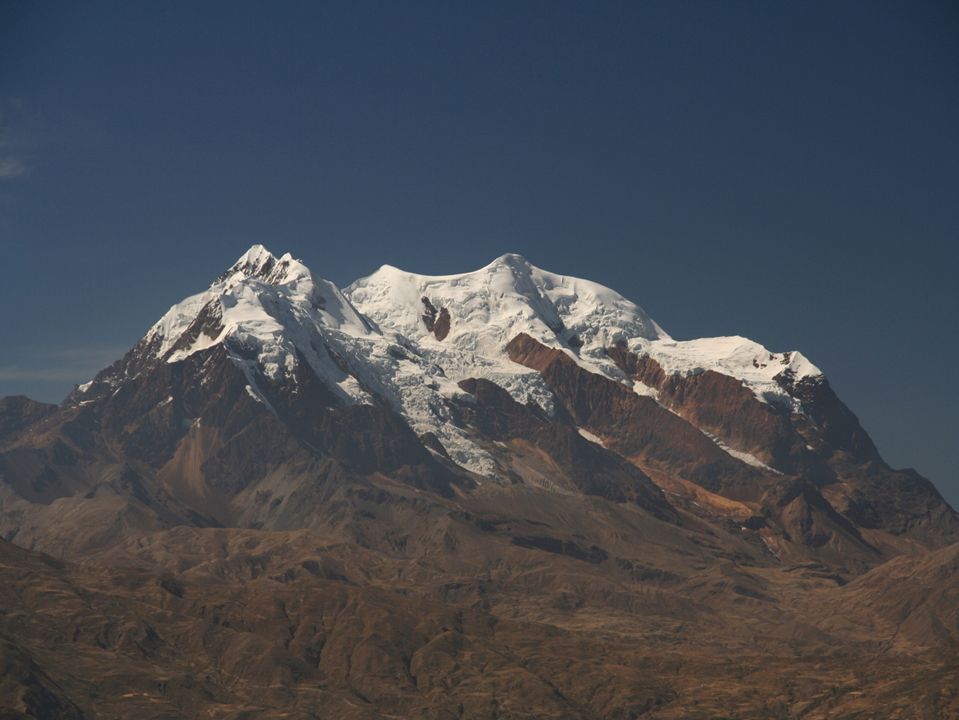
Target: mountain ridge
(589,316)
(747,424)
(525,459)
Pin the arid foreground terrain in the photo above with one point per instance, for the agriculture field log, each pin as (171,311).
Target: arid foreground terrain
(501,494)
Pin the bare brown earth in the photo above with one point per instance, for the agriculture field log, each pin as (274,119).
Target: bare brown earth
(175,550)
(243,623)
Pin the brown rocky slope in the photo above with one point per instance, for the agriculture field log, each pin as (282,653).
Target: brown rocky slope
(193,536)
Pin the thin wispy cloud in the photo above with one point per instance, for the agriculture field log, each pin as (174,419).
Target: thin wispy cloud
(62,365)
(11,167)
(97,355)
(58,375)
(14,148)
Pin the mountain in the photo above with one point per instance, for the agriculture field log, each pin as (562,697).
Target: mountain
(503,493)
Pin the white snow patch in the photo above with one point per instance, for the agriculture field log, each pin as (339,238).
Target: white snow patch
(641,388)
(745,457)
(741,358)
(590,436)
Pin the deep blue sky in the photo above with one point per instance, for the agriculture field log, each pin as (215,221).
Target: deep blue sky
(786,171)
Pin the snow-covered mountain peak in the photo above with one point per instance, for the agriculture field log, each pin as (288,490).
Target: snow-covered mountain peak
(736,356)
(464,321)
(274,304)
(486,308)
(260,264)
(409,339)
(254,261)
(514,261)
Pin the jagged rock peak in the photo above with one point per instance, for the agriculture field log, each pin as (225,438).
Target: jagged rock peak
(261,301)
(258,263)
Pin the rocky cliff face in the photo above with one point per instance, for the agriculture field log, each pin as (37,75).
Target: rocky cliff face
(413,495)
